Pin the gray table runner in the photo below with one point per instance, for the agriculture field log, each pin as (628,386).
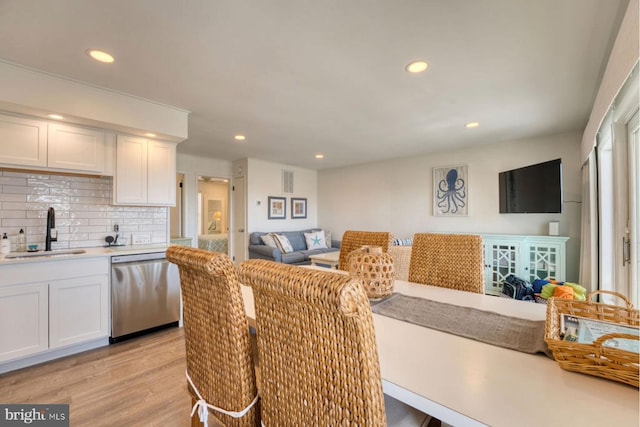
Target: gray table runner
(485,326)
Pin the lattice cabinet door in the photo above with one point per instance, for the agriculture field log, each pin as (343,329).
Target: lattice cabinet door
(544,260)
(502,258)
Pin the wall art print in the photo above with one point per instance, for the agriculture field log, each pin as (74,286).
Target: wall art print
(451,191)
(277,207)
(298,207)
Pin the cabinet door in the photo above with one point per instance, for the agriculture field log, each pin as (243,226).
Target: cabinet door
(76,148)
(161,173)
(544,261)
(502,258)
(78,310)
(131,171)
(23,142)
(23,320)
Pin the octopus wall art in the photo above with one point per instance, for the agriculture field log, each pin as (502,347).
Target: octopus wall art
(450,191)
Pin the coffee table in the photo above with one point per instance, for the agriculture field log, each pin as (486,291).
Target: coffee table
(327,258)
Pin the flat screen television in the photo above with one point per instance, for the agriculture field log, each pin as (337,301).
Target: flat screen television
(532,189)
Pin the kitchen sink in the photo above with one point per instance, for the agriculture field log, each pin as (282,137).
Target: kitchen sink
(40,254)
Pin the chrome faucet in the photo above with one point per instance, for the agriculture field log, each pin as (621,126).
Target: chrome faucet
(51,224)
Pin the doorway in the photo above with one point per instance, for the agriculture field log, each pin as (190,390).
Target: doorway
(213,214)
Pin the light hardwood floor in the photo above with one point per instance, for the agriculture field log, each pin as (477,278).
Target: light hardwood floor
(139,382)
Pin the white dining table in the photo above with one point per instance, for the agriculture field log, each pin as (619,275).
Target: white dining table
(464,382)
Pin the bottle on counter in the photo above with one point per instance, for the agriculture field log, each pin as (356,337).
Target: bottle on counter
(21,241)
(5,244)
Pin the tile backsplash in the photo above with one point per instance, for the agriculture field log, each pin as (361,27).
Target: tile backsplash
(83,213)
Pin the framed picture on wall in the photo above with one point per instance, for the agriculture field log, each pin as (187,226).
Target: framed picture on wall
(451,191)
(298,208)
(277,207)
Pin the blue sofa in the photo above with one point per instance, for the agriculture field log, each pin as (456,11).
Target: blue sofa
(300,254)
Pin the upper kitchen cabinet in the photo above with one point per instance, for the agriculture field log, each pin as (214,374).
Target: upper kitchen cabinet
(79,149)
(31,143)
(145,172)
(23,142)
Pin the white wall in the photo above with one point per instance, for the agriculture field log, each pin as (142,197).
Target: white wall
(396,195)
(264,179)
(192,167)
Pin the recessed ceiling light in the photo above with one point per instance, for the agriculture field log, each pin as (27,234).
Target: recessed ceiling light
(319,156)
(100,56)
(150,135)
(239,137)
(417,66)
(55,116)
(472,125)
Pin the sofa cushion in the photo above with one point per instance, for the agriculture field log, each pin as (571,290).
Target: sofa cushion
(269,240)
(282,242)
(327,236)
(293,258)
(296,238)
(315,240)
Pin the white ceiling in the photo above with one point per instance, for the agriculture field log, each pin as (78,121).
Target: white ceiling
(300,77)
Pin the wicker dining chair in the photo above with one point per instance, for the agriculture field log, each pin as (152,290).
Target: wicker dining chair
(317,347)
(219,355)
(448,260)
(352,240)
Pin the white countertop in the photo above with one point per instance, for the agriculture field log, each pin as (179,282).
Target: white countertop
(469,383)
(55,254)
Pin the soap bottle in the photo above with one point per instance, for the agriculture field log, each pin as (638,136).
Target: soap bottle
(21,241)
(5,244)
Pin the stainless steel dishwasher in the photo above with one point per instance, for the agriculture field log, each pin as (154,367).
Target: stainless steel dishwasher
(145,294)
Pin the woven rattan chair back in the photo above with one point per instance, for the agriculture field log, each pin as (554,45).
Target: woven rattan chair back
(317,347)
(352,240)
(448,260)
(219,356)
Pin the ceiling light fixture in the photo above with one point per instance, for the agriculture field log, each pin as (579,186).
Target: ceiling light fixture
(100,56)
(472,125)
(319,156)
(55,116)
(239,137)
(417,67)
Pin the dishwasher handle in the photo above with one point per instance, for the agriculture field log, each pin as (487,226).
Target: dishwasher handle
(120,259)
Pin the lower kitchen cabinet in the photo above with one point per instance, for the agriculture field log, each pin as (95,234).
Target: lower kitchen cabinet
(24,319)
(78,310)
(52,305)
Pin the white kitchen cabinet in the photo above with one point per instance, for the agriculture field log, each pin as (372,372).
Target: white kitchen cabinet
(24,311)
(145,172)
(50,305)
(161,173)
(37,144)
(76,149)
(527,257)
(23,142)
(78,310)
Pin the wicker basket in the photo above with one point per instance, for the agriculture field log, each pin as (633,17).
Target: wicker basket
(594,359)
(375,268)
